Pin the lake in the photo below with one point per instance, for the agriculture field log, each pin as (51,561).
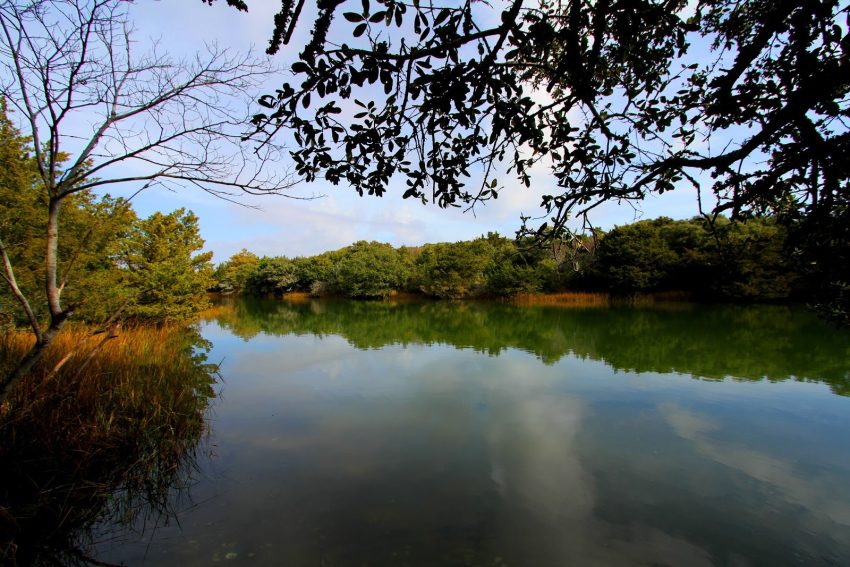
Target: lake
(443,433)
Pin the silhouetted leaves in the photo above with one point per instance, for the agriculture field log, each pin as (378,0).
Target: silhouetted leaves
(744,100)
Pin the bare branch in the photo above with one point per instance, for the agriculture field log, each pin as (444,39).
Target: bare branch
(101,115)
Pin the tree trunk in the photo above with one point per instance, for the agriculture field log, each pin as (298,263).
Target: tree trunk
(51,259)
(58,316)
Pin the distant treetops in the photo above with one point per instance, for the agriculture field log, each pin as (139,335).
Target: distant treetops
(744,261)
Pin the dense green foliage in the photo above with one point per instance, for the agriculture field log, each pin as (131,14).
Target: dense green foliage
(368,269)
(158,260)
(108,258)
(742,261)
(739,261)
(454,270)
(232,276)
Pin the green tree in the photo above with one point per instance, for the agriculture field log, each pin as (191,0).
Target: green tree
(746,260)
(637,257)
(316,271)
(91,226)
(752,261)
(19,213)
(167,276)
(513,270)
(454,270)
(273,276)
(368,270)
(232,276)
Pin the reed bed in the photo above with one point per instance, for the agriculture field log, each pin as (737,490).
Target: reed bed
(564,299)
(95,433)
(297,296)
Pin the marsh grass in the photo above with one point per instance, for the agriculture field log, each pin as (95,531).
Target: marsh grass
(565,299)
(297,296)
(101,444)
(582,299)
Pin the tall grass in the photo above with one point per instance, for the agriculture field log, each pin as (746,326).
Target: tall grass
(581,299)
(297,296)
(78,446)
(565,299)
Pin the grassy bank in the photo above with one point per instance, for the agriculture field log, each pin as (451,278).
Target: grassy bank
(566,299)
(562,299)
(88,436)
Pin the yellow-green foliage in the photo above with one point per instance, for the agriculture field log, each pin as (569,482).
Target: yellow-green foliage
(107,256)
(161,263)
(232,276)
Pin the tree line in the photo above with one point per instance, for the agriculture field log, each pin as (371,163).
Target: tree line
(721,260)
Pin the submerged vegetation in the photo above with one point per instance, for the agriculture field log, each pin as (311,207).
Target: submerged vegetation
(745,261)
(97,437)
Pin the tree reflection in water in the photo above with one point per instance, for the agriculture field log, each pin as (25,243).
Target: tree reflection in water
(712,342)
(114,447)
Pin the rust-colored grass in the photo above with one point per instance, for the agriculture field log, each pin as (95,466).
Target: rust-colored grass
(76,444)
(130,374)
(564,299)
(297,296)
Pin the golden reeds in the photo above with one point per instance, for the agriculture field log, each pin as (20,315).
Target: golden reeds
(564,299)
(297,296)
(88,424)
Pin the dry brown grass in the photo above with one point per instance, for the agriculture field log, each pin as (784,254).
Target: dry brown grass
(564,299)
(297,296)
(131,373)
(70,440)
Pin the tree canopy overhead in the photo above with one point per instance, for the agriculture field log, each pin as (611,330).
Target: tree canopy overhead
(621,98)
(745,101)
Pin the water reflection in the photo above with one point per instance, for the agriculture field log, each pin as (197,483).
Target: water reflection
(711,342)
(469,434)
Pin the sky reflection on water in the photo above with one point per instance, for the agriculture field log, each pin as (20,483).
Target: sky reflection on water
(434,454)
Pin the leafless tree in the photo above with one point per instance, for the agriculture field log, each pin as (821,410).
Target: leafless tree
(98,115)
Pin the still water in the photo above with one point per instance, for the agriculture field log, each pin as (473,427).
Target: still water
(484,434)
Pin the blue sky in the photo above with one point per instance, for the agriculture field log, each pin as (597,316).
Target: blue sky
(274,225)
